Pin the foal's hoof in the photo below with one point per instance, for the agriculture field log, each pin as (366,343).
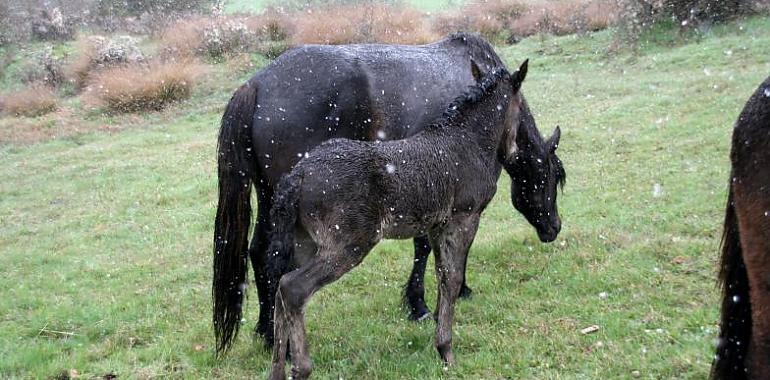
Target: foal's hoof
(466,292)
(419,315)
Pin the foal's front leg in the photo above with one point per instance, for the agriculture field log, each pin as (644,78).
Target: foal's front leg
(451,246)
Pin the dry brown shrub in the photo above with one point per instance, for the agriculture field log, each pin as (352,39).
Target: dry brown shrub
(601,14)
(78,69)
(222,36)
(35,100)
(565,17)
(490,18)
(272,25)
(144,87)
(96,53)
(348,24)
(184,37)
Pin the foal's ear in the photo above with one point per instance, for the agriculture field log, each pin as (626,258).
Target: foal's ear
(518,77)
(553,141)
(476,71)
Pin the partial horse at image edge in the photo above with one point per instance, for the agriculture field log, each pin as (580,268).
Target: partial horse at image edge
(743,346)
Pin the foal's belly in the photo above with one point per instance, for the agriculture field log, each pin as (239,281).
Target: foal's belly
(401,226)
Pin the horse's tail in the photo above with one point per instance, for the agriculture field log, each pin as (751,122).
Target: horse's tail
(236,169)
(735,333)
(284,217)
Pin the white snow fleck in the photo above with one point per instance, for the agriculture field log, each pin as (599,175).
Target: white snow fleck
(657,190)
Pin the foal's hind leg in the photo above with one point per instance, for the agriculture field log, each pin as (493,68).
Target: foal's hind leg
(451,248)
(414,291)
(294,290)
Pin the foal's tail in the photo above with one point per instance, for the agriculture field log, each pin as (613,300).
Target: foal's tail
(281,235)
(735,333)
(236,169)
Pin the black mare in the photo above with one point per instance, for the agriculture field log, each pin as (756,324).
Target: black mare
(314,93)
(347,195)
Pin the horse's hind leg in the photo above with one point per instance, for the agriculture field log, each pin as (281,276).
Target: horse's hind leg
(752,205)
(451,248)
(294,290)
(258,255)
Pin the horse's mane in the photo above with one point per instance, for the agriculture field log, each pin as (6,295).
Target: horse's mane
(474,95)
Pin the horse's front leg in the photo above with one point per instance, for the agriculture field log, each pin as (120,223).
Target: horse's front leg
(414,291)
(451,246)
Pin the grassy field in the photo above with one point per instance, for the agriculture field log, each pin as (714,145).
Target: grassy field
(105,237)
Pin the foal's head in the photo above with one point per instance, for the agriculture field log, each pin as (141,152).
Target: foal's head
(536,172)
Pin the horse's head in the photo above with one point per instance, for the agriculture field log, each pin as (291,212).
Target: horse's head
(536,172)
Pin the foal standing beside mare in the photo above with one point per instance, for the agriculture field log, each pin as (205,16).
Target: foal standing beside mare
(362,92)
(347,195)
(743,350)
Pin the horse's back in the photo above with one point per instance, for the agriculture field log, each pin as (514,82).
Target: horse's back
(751,137)
(364,92)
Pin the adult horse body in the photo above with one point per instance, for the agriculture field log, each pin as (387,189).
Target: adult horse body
(347,195)
(743,350)
(312,94)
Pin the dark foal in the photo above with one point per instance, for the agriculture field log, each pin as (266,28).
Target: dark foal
(348,195)
(743,351)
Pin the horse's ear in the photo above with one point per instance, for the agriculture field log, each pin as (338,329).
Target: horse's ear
(476,71)
(518,77)
(553,142)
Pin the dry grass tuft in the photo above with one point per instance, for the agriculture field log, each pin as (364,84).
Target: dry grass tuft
(32,101)
(361,23)
(507,20)
(144,87)
(565,17)
(96,53)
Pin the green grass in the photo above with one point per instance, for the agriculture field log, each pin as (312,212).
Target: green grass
(107,237)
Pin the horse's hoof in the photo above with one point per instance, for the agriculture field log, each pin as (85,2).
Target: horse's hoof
(423,317)
(466,292)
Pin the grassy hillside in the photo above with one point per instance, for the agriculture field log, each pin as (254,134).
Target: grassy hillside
(105,237)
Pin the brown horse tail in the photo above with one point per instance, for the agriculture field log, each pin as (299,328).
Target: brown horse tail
(236,169)
(281,235)
(733,342)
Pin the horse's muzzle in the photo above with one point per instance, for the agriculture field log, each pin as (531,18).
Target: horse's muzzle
(549,233)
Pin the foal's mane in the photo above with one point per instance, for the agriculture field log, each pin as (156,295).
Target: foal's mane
(474,95)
